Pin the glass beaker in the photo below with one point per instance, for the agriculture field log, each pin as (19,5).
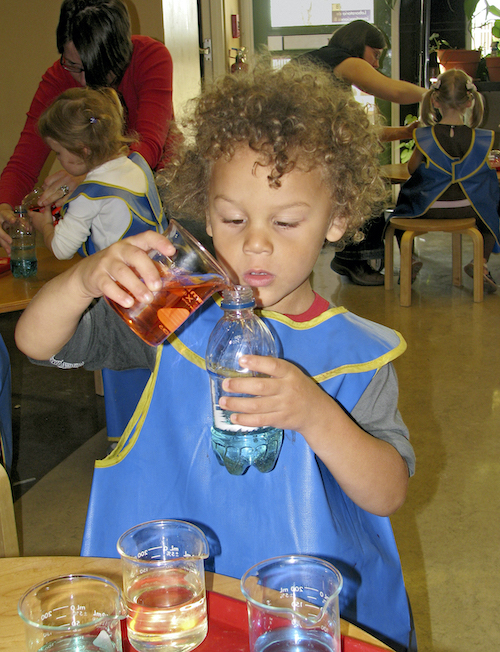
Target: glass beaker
(189,277)
(73,612)
(293,604)
(164,585)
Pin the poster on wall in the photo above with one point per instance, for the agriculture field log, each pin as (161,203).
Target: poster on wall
(301,13)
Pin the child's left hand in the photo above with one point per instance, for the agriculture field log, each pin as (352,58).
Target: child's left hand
(282,400)
(370,470)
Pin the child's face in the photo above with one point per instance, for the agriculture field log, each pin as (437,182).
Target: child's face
(270,238)
(72,163)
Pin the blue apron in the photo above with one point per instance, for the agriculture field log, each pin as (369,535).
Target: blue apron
(439,170)
(164,467)
(146,212)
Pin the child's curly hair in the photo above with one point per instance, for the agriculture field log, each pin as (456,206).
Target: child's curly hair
(296,116)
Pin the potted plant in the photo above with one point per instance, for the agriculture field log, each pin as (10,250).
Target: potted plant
(493,60)
(449,57)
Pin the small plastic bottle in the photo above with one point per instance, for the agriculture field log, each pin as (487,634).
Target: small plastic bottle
(23,261)
(239,332)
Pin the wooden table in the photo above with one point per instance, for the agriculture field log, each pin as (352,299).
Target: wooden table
(16,293)
(398,172)
(18,574)
(395,172)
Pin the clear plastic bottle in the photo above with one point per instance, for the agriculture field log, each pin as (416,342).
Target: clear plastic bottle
(239,332)
(23,262)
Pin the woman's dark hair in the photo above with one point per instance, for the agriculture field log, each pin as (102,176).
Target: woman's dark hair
(354,36)
(100,31)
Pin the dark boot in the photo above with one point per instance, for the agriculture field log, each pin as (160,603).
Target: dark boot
(358,271)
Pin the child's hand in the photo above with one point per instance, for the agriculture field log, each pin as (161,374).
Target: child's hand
(41,218)
(101,273)
(370,471)
(58,306)
(286,400)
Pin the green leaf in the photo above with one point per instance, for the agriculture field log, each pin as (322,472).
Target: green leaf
(494,10)
(405,155)
(470,8)
(409,118)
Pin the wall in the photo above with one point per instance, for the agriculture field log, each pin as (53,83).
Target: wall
(181,35)
(28,48)
(231,7)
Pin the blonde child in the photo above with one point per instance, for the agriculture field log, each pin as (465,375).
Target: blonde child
(277,163)
(117,196)
(450,173)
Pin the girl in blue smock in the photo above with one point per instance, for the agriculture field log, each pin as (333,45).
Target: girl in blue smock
(450,172)
(118,196)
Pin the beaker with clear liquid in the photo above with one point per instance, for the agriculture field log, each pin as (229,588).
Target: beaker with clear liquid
(293,604)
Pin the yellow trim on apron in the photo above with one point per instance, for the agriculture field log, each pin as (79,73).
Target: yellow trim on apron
(134,426)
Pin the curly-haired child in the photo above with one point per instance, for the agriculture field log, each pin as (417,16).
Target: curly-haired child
(277,162)
(117,196)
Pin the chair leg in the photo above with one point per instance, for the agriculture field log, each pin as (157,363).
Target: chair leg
(389,258)
(456,253)
(405,268)
(477,240)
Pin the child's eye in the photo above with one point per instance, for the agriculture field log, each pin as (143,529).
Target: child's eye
(286,225)
(233,220)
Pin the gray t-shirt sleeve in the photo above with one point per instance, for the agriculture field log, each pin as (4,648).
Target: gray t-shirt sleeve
(103,340)
(377,413)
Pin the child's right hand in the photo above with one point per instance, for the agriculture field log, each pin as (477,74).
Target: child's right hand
(57,308)
(125,263)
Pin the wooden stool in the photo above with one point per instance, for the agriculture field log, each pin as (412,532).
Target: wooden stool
(417,226)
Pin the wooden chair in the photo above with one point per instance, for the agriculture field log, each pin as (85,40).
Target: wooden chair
(9,546)
(417,226)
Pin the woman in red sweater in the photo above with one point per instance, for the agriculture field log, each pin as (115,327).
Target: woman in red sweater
(97,49)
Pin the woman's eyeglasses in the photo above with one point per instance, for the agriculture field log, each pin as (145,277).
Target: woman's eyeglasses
(71,67)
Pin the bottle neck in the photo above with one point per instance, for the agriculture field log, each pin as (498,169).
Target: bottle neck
(237,312)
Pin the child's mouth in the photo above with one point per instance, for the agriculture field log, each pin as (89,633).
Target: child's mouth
(258,278)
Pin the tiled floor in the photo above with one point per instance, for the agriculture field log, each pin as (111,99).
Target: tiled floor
(448,531)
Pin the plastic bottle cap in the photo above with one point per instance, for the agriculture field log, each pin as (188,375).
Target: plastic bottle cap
(238,296)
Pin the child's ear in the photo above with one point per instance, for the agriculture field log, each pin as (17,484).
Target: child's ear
(208,225)
(336,229)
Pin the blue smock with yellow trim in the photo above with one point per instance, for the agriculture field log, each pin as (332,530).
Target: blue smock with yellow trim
(164,467)
(439,171)
(146,212)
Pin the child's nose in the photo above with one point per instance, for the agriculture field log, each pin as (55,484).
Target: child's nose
(257,240)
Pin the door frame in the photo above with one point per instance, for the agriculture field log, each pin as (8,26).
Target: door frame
(212,28)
